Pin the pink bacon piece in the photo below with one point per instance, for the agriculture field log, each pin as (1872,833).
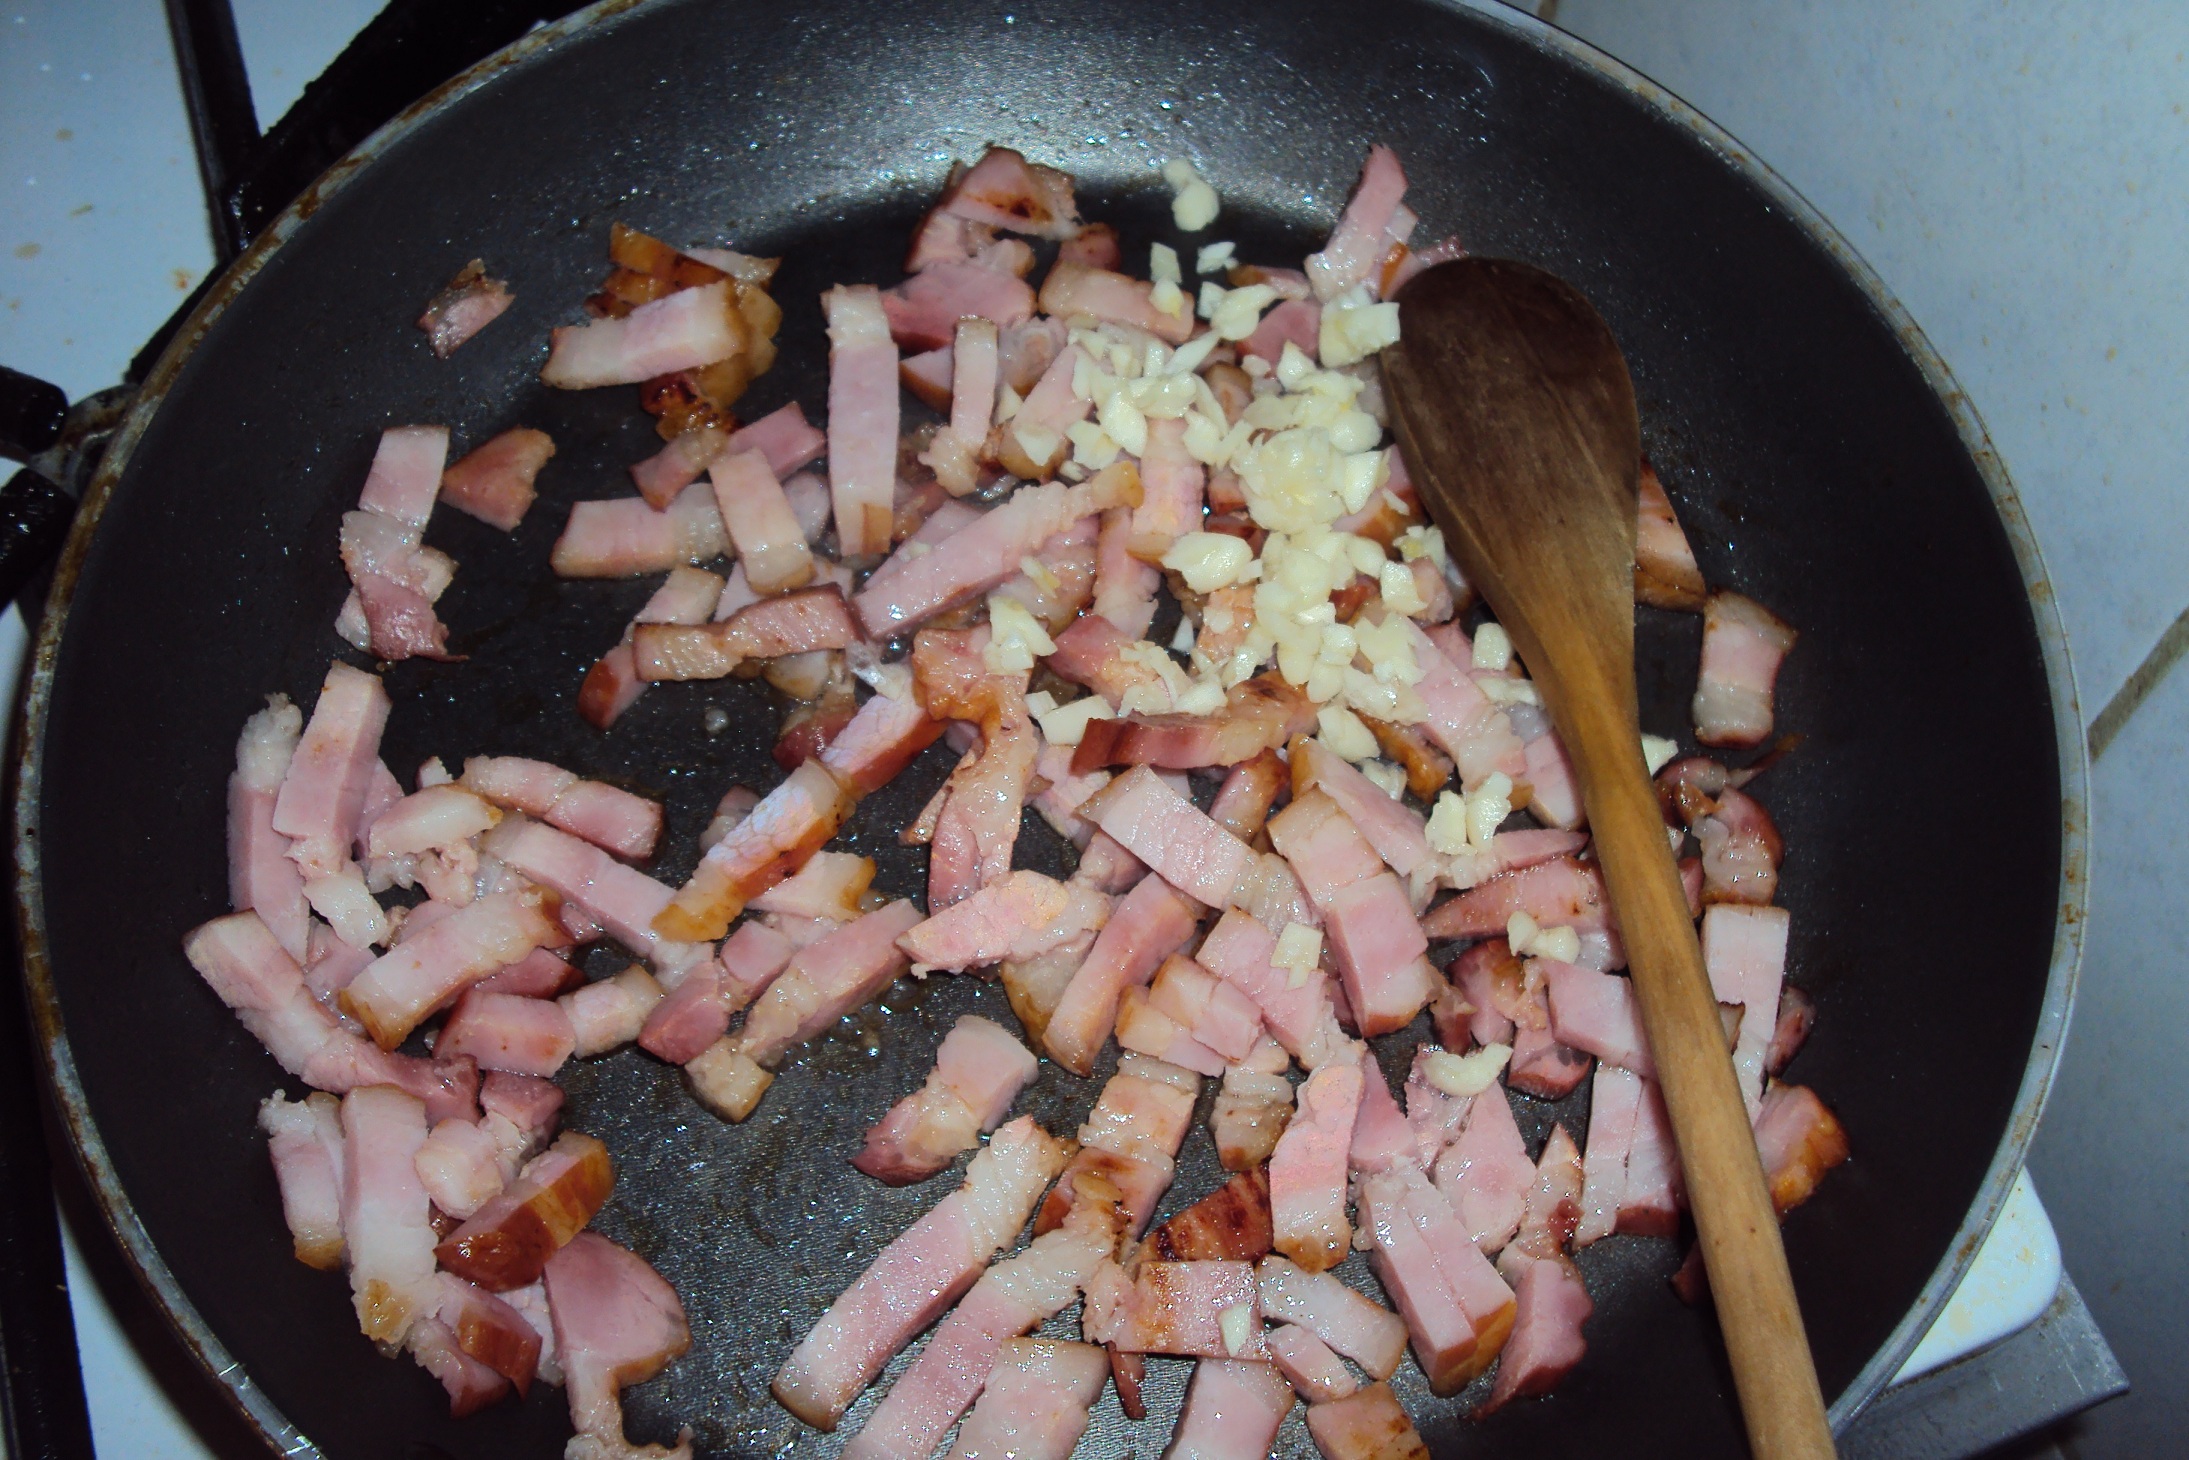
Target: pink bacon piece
(1214,1012)
(261,878)
(1361,1329)
(947,238)
(1171,485)
(461,1166)
(401,987)
(680,331)
(1168,832)
(489,1330)
(1741,850)
(790,823)
(1019,918)
(334,764)
(1797,1014)
(1368,1425)
(1655,1188)
(1379,946)
(1299,1016)
(625,537)
(917,1275)
(1615,1100)
(494,481)
(1259,714)
(1147,1030)
(387,1222)
(304,1138)
(1089,652)
(1390,826)
(1253,1108)
(783,436)
(1174,1308)
(801,622)
(612,685)
(621,899)
(687,1022)
(954,454)
(1012,1298)
(1307,1172)
(1059,581)
(924,310)
(1744,644)
(611,1012)
(1551,1305)
(1362,238)
(986,551)
(1034,1404)
(616,1323)
(862,418)
(1124,586)
(466,305)
(1597,1012)
(1033,444)
(881,740)
(1130,1141)
(1799,1140)
(826,980)
(979,1071)
(1082,289)
(507,1032)
(251,973)
(1665,574)
(660,477)
(976,826)
(1472,730)
(1309,1364)
(1149,923)
(1382,1136)
(757,516)
(1004,190)
(1563,892)
(1485,1174)
(1293,322)
(1744,952)
(1458,1311)
(1234,1408)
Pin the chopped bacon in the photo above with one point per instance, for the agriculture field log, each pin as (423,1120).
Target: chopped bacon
(1171,484)
(1799,1139)
(1665,575)
(1095,244)
(1074,289)
(616,1323)
(1390,826)
(1741,850)
(955,451)
(1249,790)
(862,418)
(826,980)
(1378,944)
(1458,1311)
(660,477)
(978,823)
(1299,1015)
(1149,923)
(462,1167)
(791,823)
(1259,714)
(1615,1100)
(430,820)
(1744,952)
(1130,1140)
(1797,1012)
(1170,834)
(508,1242)
(979,1071)
(412,979)
(1174,1308)
(1319,1303)
(493,481)
(387,1221)
(792,623)
(1144,1028)
(1311,1366)
(1253,1107)
(466,305)
(1472,730)
(611,1012)
(1382,1136)
(1057,582)
(624,537)
(1368,1425)
(1307,1172)
(770,543)
(917,1275)
(908,590)
(1655,1188)
(1034,1403)
(1215,1013)
(1234,1408)
(1744,644)
(621,899)
(1019,918)
(334,764)
(1563,892)
(880,741)
(507,1032)
(924,310)
(1004,190)
(1597,1012)
(304,1138)
(1090,653)
(1033,444)
(1011,1298)
(261,878)
(944,237)
(1361,239)
(612,685)
(1124,586)
(680,331)
(489,1330)
(1293,322)
(1231,1224)
(1485,1173)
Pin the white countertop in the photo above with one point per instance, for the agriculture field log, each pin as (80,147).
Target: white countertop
(2017,174)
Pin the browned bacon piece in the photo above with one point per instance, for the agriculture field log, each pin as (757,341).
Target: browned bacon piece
(793,623)
(1230,1224)
(466,305)
(508,1242)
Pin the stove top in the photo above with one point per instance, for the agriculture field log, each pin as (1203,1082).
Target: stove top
(122,136)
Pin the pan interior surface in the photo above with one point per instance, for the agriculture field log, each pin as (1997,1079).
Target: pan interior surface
(1810,462)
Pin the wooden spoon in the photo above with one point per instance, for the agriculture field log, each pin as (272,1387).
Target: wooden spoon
(1516,413)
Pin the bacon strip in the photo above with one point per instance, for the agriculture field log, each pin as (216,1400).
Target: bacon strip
(793,623)
(466,305)
(1004,190)
(978,1072)
(387,1222)
(1307,1173)
(791,823)
(1368,1425)
(261,878)
(1035,1402)
(612,685)
(1020,918)
(304,1138)
(1665,574)
(917,1275)
(494,480)
(1130,1140)
(924,311)
(826,980)
(1074,288)
(1361,239)
(1170,834)
(1149,924)
(1234,1408)
(680,331)
(624,537)
(1379,946)
(334,764)
(1744,644)
(616,1323)
(1364,1331)
(1299,1015)
(1744,952)
(1458,1311)
(862,418)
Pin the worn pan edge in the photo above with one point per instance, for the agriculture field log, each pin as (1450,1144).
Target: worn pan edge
(66,1091)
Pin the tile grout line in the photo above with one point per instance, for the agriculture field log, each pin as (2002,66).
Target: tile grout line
(2134,690)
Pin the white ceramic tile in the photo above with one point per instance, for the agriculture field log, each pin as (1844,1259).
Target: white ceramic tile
(2019,174)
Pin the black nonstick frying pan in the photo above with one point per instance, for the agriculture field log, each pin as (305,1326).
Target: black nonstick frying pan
(1815,448)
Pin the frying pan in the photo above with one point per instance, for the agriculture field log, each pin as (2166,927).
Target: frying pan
(1816,449)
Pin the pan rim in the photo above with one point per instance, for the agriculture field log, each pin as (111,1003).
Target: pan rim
(58,1064)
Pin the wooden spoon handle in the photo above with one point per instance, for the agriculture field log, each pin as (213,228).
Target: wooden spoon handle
(1739,1230)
